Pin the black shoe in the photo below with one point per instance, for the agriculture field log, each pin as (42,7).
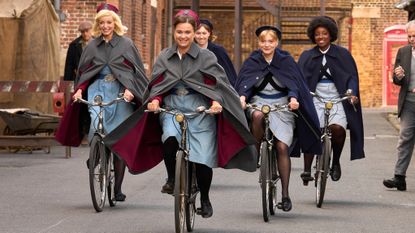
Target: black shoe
(206,209)
(306,177)
(120,197)
(397,182)
(285,204)
(168,187)
(335,172)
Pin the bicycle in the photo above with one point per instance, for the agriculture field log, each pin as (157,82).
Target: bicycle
(185,184)
(323,161)
(101,159)
(268,177)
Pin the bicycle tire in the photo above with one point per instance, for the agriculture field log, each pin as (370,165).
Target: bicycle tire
(264,175)
(323,168)
(191,200)
(272,196)
(97,173)
(179,192)
(111,179)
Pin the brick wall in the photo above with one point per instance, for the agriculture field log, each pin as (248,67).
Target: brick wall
(367,47)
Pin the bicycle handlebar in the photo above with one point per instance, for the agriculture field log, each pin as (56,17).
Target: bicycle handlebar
(272,108)
(348,96)
(98,101)
(199,110)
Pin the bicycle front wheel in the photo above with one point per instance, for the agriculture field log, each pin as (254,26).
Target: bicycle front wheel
(323,167)
(97,173)
(111,179)
(265,178)
(272,195)
(180,192)
(191,200)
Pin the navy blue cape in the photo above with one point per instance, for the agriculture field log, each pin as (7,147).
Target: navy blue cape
(224,61)
(286,70)
(345,76)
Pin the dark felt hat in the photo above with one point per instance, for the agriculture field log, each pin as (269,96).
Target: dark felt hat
(268,27)
(207,22)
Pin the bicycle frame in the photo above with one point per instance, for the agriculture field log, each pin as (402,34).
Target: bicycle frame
(323,161)
(103,178)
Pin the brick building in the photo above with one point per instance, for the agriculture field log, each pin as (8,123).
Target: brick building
(361,23)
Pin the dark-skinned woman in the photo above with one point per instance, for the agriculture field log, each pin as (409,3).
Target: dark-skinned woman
(330,71)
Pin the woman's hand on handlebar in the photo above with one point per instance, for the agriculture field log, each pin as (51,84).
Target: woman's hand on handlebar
(128,96)
(77,95)
(354,100)
(153,106)
(243,102)
(293,105)
(215,108)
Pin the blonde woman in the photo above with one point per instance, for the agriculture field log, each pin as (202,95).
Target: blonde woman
(109,65)
(269,76)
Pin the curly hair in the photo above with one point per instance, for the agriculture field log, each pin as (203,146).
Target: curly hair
(323,21)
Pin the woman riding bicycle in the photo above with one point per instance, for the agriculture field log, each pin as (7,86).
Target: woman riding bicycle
(109,65)
(330,71)
(271,76)
(185,77)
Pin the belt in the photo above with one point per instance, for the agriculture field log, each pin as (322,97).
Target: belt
(325,81)
(106,77)
(182,91)
(272,96)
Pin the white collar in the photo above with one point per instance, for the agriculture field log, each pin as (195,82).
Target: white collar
(325,51)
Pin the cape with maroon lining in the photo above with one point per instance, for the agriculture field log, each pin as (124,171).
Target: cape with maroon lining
(126,66)
(138,139)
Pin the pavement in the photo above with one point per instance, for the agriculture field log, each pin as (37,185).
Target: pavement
(47,193)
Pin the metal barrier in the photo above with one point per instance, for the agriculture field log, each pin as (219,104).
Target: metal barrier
(61,91)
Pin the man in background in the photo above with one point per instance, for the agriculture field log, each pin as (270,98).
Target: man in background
(75,50)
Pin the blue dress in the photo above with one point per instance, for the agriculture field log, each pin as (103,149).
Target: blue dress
(201,132)
(109,88)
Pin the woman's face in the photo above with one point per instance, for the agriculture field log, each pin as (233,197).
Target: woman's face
(184,35)
(202,36)
(106,25)
(322,37)
(268,44)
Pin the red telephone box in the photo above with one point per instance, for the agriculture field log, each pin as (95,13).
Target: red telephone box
(394,37)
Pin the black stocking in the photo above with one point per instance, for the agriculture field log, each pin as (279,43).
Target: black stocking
(338,136)
(308,161)
(170,147)
(204,179)
(257,127)
(119,170)
(284,166)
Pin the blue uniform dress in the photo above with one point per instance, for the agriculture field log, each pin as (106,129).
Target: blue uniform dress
(109,88)
(327,89)
(282,124)
(201,132)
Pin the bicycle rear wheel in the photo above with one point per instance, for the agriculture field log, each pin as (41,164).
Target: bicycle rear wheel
(191,200)
(323,167)
(272,195)
(111,179)
(97,172)
(179,192)
(264,175)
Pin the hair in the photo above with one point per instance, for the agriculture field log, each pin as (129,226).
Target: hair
(322,21)
(268,32)
(409,24)
(184,18)
(211,37)
(119,29)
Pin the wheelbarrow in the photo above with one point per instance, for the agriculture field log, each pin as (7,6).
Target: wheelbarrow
(23,121)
